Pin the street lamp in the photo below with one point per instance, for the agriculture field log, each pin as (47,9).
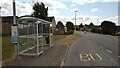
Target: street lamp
(75,19)
(0,15)
(97,24)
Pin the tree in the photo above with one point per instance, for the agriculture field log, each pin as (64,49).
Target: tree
(108,27)
(96,29)
(81,25)
(40,11)
(60,25)
(70,27)
(91,25)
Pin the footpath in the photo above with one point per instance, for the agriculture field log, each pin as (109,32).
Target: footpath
(52,56)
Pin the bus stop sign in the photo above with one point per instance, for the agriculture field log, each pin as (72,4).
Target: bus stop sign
(14,33)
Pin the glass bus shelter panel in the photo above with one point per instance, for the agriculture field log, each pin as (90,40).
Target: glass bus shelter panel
(40,29)
(26,36)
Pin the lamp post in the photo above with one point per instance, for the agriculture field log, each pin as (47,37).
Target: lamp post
(0,16)
(75,19)
(0,38)
(97,26)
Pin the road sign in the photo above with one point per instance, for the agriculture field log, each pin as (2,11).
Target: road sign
(14,34)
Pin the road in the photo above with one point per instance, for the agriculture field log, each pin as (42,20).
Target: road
(93,50)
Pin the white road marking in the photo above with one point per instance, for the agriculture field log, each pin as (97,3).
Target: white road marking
(109,51)
(88,57)
(118,56)
(99,56)
(91,57)
(85,57)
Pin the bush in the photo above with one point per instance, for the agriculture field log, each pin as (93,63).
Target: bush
(108,27)
(94,30)
(69,32)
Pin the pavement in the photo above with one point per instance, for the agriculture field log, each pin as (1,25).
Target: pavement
(52,56)
(0,64)
(0,49)
(93,50)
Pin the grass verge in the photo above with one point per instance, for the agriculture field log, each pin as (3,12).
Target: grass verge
(8,48)
(58,37)
(71,39)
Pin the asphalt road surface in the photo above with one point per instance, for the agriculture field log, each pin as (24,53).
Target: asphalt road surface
(93,50)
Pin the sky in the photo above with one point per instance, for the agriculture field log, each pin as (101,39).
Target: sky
(88,11)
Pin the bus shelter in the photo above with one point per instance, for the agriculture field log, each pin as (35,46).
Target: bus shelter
(33,35)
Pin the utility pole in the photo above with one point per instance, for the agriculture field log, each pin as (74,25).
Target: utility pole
(15,30)
(14,13)
(0,17)
(97,26)
(0,39)
(75,19)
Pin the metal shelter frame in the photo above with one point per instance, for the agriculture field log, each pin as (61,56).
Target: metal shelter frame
(33,35)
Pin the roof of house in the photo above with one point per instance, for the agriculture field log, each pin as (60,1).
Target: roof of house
(7,19)
(50,18)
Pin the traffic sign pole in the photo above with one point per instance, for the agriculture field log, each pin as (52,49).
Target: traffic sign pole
(15,32)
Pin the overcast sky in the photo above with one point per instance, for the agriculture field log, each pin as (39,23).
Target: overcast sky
(64,10)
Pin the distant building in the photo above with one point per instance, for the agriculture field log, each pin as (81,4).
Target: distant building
(56,31)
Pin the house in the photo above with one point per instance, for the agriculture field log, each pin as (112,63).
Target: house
(52,19)
(85,28)
(56,31)
(6,24)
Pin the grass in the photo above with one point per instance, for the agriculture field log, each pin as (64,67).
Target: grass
(8,47)
(57,37)
(71,39)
